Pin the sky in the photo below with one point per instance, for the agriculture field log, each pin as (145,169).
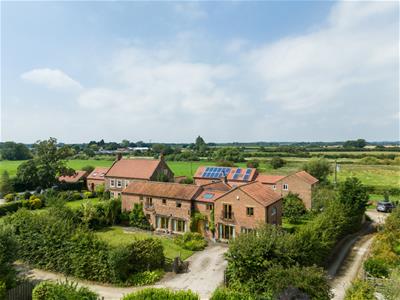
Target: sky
(228,71)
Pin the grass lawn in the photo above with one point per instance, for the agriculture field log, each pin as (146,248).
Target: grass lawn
(116,236)
(76,204)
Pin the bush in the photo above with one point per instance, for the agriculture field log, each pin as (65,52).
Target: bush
(191,241)
(376,267)
(9,197)
(161,294)
(47,290)
(360,290)
(137,217)
(3,290)
(293,208)
(27,195)
(10,207)
(87,195)
(146,277)
(254,163)
(226,294)
(319,168)
(277,162)
(8,254)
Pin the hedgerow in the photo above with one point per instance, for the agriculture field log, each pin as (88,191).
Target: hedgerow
(55,240)
(161,294)
(47,290)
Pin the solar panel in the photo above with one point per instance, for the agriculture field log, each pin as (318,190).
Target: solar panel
(236,176)
(238,170)
(246,177)
(248,171)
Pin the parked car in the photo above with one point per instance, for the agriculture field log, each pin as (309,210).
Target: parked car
(385,206)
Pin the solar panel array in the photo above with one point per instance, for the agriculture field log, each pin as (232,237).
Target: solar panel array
(216,172)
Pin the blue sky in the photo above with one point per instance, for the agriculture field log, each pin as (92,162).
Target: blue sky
(229,71)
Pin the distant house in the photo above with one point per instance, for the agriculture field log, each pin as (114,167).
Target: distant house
(96,177)
(125,171)
(234,176)
(76,177)
(300,183)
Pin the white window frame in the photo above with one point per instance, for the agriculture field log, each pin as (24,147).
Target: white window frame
(119,183)
(112,182)
(274,187)
(285,187)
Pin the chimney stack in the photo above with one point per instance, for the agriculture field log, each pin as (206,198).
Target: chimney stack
(119,156)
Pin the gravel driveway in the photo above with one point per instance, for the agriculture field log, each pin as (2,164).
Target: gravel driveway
(206,273)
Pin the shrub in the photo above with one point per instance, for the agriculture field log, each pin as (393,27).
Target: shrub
(360,290)
(254,163)
(277,162)
(3,290)
(87,195)
(62,291)
(226,294)
(191,241)
(8,250)
(35,203)
(137,217)
(319,168)
(161,294)
(293,208)
(376,267)
(147,254)
(76,196)
(10,207)
(27,195)
(9,197)
(146,277)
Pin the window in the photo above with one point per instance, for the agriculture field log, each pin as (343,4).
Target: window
(246,230)
(179,225)
(285,187)
(209,206)
(273,211)
(149,201)
(164,201)
(141,198)
(178,204)
(274,187)
(119,183)
(165,172)
(119,194)
(227,213)
(162,222)
(250,211)
(112,182)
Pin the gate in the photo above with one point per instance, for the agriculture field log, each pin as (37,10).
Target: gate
(21,292)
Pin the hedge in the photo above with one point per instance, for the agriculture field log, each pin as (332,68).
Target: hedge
(47,290)
(54,240)
(161,294)
(226,294)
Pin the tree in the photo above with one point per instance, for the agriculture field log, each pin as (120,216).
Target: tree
(322,196)
(46,166)
(293,208)
(277,162)
(319,168)
(354,195)
(254,163)
(88,168)
(6,186)
(14,151)
(228,154)
(360,143)
(125,143)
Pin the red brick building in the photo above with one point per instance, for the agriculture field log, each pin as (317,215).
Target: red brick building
(96,177)
(233,176)
(300,183)
(125,171)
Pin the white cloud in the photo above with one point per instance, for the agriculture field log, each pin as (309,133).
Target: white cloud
(357,47)
(51,78)
(190,10)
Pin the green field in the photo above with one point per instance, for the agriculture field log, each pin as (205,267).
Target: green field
(116,236)
(374,175)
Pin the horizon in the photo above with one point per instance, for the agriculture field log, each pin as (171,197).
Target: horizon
(169,71)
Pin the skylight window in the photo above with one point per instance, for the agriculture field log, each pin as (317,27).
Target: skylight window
(208,196)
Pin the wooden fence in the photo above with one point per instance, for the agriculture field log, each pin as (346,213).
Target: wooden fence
(21,292)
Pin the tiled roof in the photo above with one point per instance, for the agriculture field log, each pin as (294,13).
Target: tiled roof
(307,177)
(269,179)
(217,186)
(163,189)
(209,195)
(133,168)
(98,173)
(231,176)
(74,178)
(261,193)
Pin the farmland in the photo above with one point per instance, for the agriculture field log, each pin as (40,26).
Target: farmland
(382,176)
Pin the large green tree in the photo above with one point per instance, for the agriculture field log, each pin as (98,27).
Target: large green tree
(49,163)
(354,195)
(14,151)
(319,168)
